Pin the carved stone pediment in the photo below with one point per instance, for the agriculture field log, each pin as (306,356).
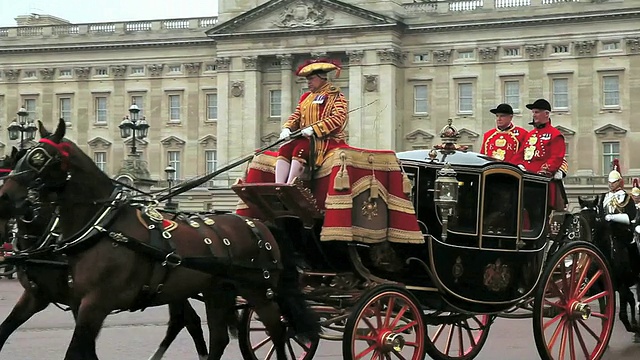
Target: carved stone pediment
(283,16)
(565,131)
(192,68)
(442,56)
(470,135)
(83,72)
(99,143)
(12,74)
(170,141)
(610,129)
(208,141)
(419,136)
(270,138)
(586,47)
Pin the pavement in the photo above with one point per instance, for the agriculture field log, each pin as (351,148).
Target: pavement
(135,336)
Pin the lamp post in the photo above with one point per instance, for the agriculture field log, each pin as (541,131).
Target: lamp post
(17,129)
(134,127)
(446,195)
(170,171)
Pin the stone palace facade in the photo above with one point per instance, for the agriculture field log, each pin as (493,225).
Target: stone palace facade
(214,89)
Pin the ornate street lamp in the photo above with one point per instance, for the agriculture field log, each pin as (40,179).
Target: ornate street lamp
(134,127)
(24,125)
(446,195)
(170,171)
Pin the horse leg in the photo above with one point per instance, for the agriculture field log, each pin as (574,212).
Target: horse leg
(88,324)
(624,302)
(221,318)
(269,313)
(181,314)
(28,304)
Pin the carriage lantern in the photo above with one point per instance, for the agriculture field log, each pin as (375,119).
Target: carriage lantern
(17,129)
(446,195)
(132,126)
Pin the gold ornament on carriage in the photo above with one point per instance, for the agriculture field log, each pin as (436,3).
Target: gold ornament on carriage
(497,276)
(153,214)
(370,208)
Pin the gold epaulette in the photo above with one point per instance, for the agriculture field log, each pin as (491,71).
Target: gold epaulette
(333,89)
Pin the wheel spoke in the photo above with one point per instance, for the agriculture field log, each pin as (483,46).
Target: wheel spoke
(390,306)
(460,343)
(553,320)
(366,351)
(449,340)
(600,315)
(572,276)
(585,269)
(397,354)
(262,343)
(554,304)
(595,297)
(272,351)
(436,336)
(371,327)
(472,339)
(291,352)
(399,316)
(589,284)
(406,327)
(563,341)
(595,336)
(556,332)
(580,340)
(563,275)
(304,346)
(572,349)
(377,312)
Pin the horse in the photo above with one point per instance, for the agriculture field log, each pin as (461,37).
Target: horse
(118,248)
(625,274)
(43,273)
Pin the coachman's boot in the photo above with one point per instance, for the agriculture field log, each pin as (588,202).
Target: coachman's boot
(282,171)
(297,168)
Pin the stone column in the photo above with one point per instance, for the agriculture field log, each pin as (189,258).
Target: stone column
(286,79)
(355,126)
(252,115)
(222,66)
(383,117)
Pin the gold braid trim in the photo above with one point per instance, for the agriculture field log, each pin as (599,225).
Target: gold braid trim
(393,202)
(369,236)
(360,160)
(263,162)
(339,202)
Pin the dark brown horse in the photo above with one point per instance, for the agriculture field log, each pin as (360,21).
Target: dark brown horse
(43,273)
(116,256)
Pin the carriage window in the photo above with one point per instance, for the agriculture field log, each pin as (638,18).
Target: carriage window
(534,204)
(466,215)
(500,207)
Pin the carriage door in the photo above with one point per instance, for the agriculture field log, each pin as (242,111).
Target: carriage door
(500,208)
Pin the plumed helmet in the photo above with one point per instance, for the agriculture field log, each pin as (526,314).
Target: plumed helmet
(635,190)
(319,67)
(615,173)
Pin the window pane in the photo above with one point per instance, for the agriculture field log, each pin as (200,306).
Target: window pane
(275,104)
(100,158)
(611,90)
(512,94)
(139,101)
(212,106)
(610,151)
(30,106)
(101,109)
(174,107)
(173,159)
(65,109)
(420,99)
(560,93)
(465,97)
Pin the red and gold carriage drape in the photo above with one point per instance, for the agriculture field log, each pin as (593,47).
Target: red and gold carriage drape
(363,193)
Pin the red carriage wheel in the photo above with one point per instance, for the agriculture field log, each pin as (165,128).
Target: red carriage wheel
(255,343)
(460,340)
(574,307)
(387,323)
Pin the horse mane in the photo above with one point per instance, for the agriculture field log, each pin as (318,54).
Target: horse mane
(84,170)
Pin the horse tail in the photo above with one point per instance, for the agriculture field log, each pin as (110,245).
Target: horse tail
(289,296)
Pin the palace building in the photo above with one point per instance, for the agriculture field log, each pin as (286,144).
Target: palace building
(214,89)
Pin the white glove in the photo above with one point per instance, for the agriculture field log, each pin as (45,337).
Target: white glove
(285,133)
(522,167)
(558,175)
(638,229)
(308,131)
(619,218)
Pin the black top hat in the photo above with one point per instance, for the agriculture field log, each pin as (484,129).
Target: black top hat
(503,109)
(540,104)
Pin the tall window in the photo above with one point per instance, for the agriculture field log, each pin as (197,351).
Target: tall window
(174,108)
(420,99)
(275,103)
(610,151)
(560,94)
(210,162)
(101,109)
(139,101)
(30,106)
(100,158)
(173,159)
(212,106)
(465,98)
(611,91)
(65,109)
(512,93)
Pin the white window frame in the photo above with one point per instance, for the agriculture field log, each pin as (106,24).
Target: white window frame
(100,159)
(420,99)
(102,71)
(561,49)
(31,105)
(211,107)
(510,97)
(139,100)
(210,163)
(512,52)
(211,68)
(608,154)
(466,55)
(175,69)
(557,95)
(30,74)
(173,109)
(275,104)
(63,113)
(606,46)
(66,73)
(459,97)
(608,94)
(99,112)
(173,159)
(420,58)
(137,70)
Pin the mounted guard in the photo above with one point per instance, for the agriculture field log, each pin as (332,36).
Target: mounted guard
(616,205)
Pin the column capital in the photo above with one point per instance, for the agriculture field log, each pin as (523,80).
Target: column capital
(318,55)
(633,44)
(535,50)
(250,62)
(223,63)
(585,47)
(442,56)
(391,56)
(355,57)
(286,61)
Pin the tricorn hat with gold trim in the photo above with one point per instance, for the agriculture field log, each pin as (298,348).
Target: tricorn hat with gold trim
(319,67)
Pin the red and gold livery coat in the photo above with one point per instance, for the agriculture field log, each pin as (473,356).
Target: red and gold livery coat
(542,151)
(503,144)
(326,111)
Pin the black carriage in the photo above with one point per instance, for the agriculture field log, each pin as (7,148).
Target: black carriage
(493,247)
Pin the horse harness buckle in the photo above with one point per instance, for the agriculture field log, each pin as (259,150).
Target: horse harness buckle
(172,259)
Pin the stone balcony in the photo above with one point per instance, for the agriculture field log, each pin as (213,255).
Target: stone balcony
(108,31)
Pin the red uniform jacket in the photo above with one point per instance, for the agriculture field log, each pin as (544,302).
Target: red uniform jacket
(503,144)
(542,151)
